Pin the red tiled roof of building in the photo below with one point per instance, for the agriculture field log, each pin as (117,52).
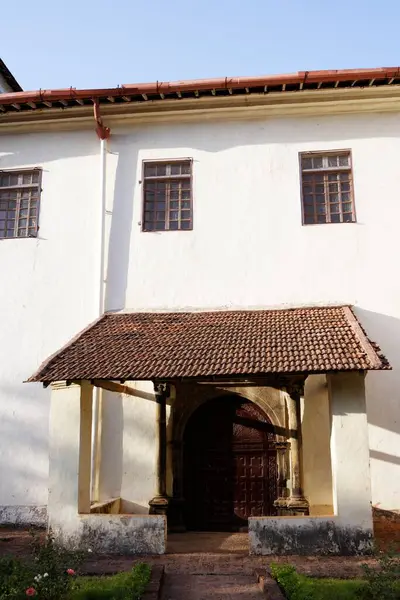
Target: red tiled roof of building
(135,346)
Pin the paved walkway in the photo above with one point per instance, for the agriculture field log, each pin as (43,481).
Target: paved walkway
(213,587)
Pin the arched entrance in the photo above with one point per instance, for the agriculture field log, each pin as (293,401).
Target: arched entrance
(230,467)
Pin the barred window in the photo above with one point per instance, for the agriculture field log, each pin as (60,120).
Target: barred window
(327,188)
(19,203)
(167,194)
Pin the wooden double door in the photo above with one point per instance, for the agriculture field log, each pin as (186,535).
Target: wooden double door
(230,466)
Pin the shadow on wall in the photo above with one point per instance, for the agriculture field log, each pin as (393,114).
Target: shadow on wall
(383,406)
(121,222)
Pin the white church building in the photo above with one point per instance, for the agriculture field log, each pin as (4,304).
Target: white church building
(200,310)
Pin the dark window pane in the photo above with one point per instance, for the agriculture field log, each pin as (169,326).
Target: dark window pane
(309,210)
(174,195)
(319,188)
(320,199)
(321,219)
(186,224)
(317,162)
(150,170)
(309,200)
(173,225)
(160,225)
(186,168)
(185,194)
(321,209)
(344,160)
(175,169)
(348,218)
(335,218)
(333,187)
(175,185)
(13,180)
(148,215)
(161,170)
(306,163)
(333,197)
(24,203)
(347,207)
(160,205)
(308,219)
(185,204)
(3,214)
(334,208)
(160,216)
(149,206)
(344,176)
(150,185)
(174,215)
(174,205)
(10,233)
(23,212)
(332,177)
(149,226)
(333,161)
(345,186)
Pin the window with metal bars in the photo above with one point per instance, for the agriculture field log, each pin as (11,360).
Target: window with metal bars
(167,195)
(327,188)
(19,203)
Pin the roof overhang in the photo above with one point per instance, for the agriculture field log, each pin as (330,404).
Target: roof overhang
(209,346)
(313,92)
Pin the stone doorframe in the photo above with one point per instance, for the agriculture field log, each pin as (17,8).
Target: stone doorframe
(278,406)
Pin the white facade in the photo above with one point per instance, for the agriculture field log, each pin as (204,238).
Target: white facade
(248,249)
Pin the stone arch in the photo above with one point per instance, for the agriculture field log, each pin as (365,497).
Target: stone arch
(185,406)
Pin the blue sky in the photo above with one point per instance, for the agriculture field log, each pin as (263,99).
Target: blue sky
(88,43)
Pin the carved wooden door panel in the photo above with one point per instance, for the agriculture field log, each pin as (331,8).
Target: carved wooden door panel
(230,470)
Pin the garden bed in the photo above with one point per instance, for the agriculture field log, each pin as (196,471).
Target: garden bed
(50,572)
(381,585)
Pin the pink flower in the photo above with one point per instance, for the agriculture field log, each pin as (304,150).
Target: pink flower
(30,592)
(70,572)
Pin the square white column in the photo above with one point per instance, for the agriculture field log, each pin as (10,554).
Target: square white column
(69,453)
(350,451)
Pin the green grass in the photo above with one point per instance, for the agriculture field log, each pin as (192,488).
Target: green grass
(123,586)
(300,587)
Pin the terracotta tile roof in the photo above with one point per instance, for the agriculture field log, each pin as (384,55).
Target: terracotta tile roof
(134,346)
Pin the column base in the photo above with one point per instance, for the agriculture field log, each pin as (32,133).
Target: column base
(159,505)
(292,506)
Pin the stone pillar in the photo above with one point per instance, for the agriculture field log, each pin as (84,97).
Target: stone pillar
(350,453)
(159,504)
(296,503)
(281,459)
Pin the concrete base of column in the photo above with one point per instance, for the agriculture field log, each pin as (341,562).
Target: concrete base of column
(159,505)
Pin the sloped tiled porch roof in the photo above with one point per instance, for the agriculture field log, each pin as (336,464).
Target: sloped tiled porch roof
(135,346)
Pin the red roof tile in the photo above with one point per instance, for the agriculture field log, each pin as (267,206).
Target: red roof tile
(134,346)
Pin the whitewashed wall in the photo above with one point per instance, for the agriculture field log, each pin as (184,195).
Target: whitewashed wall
(46,295)
(248,249)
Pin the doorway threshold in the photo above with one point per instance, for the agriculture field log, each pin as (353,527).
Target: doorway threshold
(213,542)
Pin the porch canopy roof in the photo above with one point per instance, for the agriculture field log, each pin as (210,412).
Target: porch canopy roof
(139,345)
